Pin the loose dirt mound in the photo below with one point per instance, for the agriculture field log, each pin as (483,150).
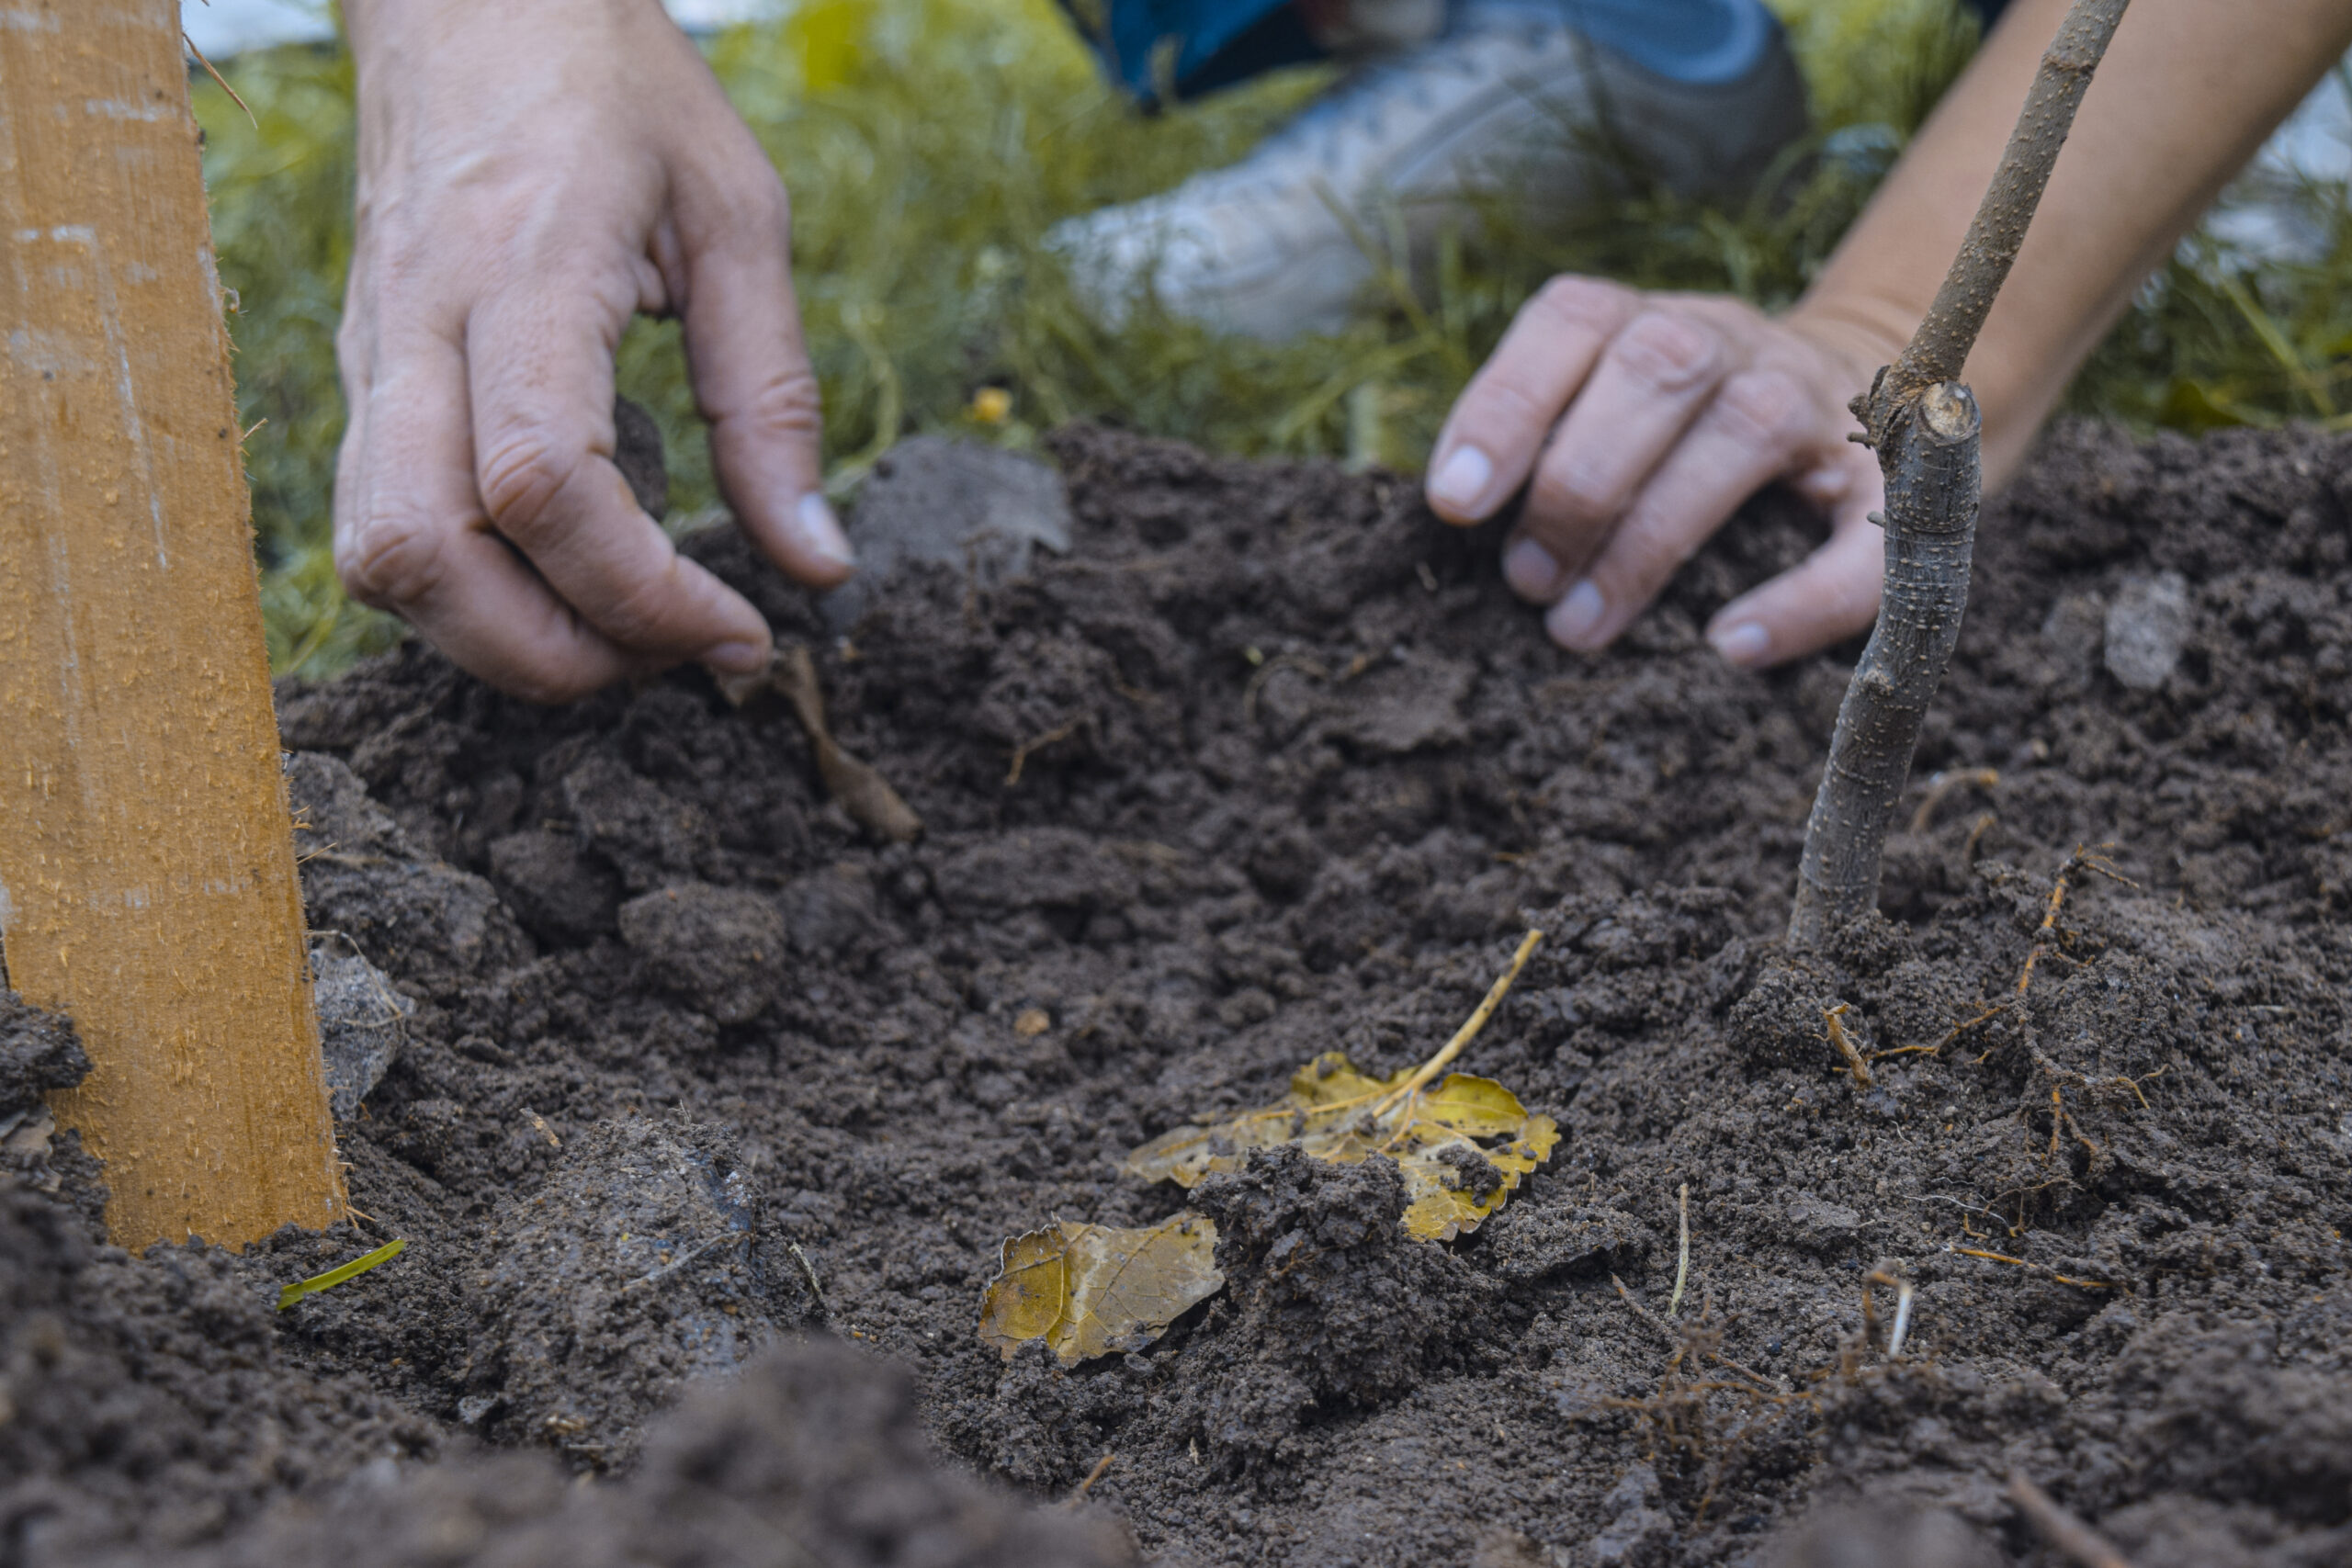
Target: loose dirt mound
(1270,765)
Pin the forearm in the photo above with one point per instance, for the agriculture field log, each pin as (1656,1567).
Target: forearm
(2187,94)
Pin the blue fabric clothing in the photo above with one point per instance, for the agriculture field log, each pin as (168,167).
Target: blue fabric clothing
(1194,45)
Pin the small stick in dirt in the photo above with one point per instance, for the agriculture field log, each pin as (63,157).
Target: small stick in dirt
(1926,430)
(1943,784)
(1464,1035)
(2061,1528)
(863,792)
(545,1131)
(1902,1290)
(1028,749)
(1836,1018)
(808,1272)
(1904,1296)
(1101,1465)
(1682,1261)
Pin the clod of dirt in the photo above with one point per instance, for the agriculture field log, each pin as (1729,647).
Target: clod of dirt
(2147,627)
(813,1455)
(1887,1538)
(931,501)
(39,1052)
(1331,1307)
(363,879)
(563,896)
(362,1023)
(637,452)
(718,950)
(637,1265)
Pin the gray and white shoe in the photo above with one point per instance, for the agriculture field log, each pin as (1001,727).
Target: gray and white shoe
(1510,97)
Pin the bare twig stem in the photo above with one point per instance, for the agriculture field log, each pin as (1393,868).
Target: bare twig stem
(1940,348)
(2061,1528)
(1926,430)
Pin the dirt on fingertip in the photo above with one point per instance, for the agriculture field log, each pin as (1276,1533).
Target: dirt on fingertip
(714,1106)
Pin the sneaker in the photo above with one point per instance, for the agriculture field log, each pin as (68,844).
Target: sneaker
(1511,93)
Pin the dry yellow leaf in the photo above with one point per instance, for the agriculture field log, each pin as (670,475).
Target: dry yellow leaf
(1463,1145)
(1092,1291)
(1440,1135)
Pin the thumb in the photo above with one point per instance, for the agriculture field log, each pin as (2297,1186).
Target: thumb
(1826,597)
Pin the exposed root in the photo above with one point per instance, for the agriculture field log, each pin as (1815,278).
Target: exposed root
(2035,1268)
(2047,937)
(1855,1064)
(1077,1496)
(1028,749)
(1944,784)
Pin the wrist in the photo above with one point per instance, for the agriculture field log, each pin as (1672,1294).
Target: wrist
(1864,330)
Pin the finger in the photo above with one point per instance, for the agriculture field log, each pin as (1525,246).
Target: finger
(1651,382)
(411,537)
(1746,438)
(540,369)
(751,368)
(1829,596)
(1491,439)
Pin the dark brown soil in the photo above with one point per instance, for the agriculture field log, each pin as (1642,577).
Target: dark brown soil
(1270,765)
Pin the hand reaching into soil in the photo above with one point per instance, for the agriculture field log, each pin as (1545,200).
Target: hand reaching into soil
(1644,420)
(1639,423)
(532,174)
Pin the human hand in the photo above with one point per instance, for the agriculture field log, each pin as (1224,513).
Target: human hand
(1639,423)
(532,174)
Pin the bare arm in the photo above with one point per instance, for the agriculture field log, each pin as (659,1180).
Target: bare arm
(2187,92)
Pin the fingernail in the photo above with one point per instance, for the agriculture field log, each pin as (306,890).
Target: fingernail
(1744,642)
(737,658)
(1530,570)
(821,531)
(1578,614)
(1462,480)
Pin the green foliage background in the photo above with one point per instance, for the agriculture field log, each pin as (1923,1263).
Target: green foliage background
(929,145)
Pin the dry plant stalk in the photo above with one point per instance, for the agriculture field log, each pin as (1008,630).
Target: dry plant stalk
(1926,428)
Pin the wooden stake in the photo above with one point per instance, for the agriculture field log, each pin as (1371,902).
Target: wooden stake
(147,882)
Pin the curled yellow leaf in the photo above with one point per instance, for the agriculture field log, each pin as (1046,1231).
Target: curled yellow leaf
(1092,1291)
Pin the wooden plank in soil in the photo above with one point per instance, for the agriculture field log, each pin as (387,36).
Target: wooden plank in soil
(147,881)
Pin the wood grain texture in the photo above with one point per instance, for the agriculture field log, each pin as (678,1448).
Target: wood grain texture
(147,880)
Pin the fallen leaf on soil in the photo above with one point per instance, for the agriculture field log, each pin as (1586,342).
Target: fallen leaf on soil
(1445,1137)
(1334,1113)
(1092,1291)
(862,792)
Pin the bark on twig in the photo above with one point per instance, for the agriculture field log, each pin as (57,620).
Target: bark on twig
(1927,431)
